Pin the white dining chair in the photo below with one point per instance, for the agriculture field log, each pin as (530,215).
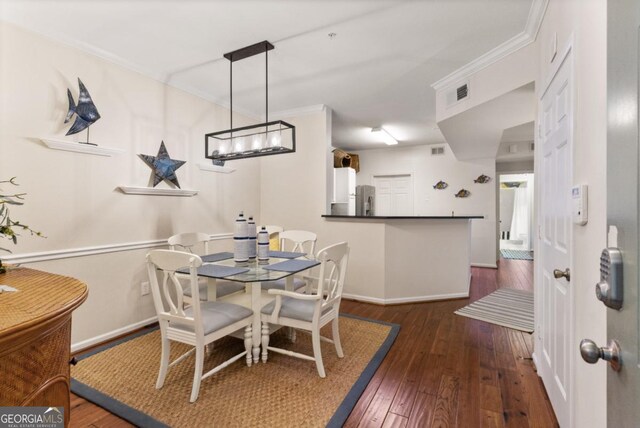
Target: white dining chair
(199,324)
(191,242)
(310,312)
(295,241)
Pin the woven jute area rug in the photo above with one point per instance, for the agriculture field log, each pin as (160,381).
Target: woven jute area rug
(284,392)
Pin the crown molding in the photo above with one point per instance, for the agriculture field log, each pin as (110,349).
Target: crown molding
(164,78)
(536,14)
(534,21)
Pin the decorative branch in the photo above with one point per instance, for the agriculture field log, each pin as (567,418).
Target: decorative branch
(9,228)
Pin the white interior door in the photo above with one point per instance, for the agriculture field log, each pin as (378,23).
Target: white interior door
(554,295)
(394,195)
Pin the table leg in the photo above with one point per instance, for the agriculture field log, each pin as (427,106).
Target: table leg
(256,292)
(211,297)
(288,285)
(211,289)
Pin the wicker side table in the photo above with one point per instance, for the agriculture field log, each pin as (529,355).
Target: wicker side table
(35,338)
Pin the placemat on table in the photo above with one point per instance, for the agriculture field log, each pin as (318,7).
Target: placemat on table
(292,265)
(216,257)
(216,271)
(286,254)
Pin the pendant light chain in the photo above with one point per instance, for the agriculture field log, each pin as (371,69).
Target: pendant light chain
(231,97)
(266,72)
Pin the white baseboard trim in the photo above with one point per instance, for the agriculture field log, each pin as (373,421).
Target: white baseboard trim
(485,265)
(94,250)
(75,347)
(399,300)
(366,299)
(535,361)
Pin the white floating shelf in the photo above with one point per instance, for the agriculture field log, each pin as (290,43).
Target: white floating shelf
(89,149)
(131,190)
(216,168)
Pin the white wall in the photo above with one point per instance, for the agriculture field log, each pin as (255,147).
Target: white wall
(72,197)
(426,171)
(507,197)
(515,167)
(586,22)
(523,150)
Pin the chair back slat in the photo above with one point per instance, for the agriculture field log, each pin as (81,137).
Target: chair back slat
(187,241)
(333,268)
(333,280)
(168,261)
(175,308)
(298,240)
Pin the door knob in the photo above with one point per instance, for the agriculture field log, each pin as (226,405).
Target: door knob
(611,353)
(557,273)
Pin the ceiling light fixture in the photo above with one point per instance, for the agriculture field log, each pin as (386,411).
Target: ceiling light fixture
(384,136)
(268,138)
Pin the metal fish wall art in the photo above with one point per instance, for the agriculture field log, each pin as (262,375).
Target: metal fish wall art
(463,193)
(440,185)
(482,179)
(85,111)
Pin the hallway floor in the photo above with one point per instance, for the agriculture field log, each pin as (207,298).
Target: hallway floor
(443,370)
(450,371)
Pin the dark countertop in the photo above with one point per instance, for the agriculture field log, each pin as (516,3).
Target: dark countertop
(361,217)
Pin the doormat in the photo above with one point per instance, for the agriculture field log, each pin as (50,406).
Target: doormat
(517,254)
(506,307)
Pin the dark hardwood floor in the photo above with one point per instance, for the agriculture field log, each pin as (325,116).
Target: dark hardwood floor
(443,370)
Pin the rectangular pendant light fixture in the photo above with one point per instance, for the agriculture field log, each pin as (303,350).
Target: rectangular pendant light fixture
(268,138)
(384,136)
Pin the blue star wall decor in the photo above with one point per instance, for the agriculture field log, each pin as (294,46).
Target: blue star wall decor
(164,168)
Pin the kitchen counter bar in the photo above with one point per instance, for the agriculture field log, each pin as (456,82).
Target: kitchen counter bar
(418,258)
(362,217)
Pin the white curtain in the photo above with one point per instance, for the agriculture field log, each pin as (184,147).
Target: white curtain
(520,219)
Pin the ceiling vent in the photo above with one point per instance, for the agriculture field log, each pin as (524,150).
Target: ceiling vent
(462,92)
(458,94)
(436,151)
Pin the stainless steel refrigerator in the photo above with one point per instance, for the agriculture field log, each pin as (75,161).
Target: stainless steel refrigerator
(365,200)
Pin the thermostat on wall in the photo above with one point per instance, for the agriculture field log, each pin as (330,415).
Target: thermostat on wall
(579,204)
